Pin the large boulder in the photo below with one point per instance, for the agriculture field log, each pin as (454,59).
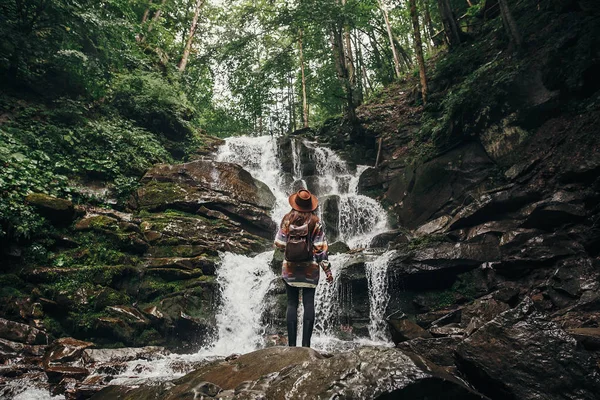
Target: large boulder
(521,354)
(201,185)
(281,373)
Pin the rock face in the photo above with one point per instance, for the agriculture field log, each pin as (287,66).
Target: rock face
(226,189)
(281,373)
(521,354)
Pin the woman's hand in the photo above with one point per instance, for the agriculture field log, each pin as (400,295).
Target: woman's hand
(330,279)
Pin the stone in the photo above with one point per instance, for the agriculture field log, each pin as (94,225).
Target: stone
(481,311)
(521,354)
(223,187)
(447,330)
(278,373)
(437,264)
(588,337)
(58,373)
(103,356)
(16,348)
(60,212)
(65,350)
(386,238)
(404,329)
(338,248)
(435,226)
(21,333)
(501,140)
(330,206)
(438,350)
(417,194)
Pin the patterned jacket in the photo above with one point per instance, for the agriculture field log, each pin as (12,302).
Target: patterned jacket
(305,273)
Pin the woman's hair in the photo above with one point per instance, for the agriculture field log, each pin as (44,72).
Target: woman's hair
(299,218)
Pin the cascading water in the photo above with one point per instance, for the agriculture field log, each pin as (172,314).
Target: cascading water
(379,297)
(360,219)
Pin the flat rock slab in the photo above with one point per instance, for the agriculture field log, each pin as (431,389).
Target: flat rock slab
(298,373)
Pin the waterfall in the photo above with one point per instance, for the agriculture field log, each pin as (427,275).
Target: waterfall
(379,297)
(244,281)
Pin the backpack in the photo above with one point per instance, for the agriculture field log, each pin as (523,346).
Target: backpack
(299,246)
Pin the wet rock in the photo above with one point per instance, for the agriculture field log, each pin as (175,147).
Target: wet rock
(222,187)
(280,373)
(588,337)
(447,330)
(437,265)
(525,249)
(438,350)
(57,373)
(476,314)
(418,194)
(404,329)
(65,350)
(331,216)
(102,356)
(60,212)
(521,354)
(17,332)
(436,226)
(338,247)
(384,239)
(14,348)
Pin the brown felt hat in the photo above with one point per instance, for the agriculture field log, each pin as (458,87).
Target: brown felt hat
(303,200)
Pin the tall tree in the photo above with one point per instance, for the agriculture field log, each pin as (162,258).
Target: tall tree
(190,40)
(418,48)
(509,23)
(304,97)
(337,45)
(391,37)
(451,29)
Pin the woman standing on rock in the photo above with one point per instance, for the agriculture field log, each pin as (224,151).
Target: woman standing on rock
(302,238)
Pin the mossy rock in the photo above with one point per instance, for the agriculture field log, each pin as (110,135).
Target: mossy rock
(60,212)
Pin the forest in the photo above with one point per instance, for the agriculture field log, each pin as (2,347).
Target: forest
(147,148)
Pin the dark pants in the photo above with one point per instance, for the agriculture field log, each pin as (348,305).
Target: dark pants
(308,321)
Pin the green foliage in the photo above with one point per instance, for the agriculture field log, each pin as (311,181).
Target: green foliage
(155,103)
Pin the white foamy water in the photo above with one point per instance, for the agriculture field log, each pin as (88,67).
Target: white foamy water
(379,297)
(244,282)
(258,155)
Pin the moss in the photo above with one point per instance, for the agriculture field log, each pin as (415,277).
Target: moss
(49,202)
(158,194)
(425,241)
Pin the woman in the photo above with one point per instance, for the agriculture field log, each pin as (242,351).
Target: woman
(301,229)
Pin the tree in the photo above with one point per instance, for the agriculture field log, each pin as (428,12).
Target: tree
(188,46)
(509,23)
(418,48)
(452,31)
(304,97)
(391,37)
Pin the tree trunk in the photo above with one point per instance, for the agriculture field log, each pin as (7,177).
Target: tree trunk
(429,24)
(391,36)
(418,48)
(304,97)
(337,45)
(190,40)
(146,12)
(451,29)
(509,23)
(360,89)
